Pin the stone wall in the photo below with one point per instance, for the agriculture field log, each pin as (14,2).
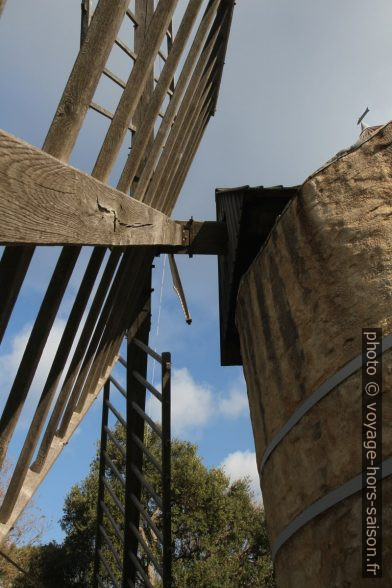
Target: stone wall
(324,273)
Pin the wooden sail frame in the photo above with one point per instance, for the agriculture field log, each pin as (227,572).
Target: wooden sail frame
(154,173)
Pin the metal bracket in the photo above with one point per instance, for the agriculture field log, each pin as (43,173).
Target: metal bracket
(187,236)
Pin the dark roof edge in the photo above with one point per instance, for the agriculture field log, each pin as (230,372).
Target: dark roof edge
(248,188)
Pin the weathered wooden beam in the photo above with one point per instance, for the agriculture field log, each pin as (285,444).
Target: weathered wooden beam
(186,117)
(34,479)
(181,135)
(128,173)
(35,346)
(13,267)
(78,355)
(143,190)
(147,126)
(51,384)
(188,152)
(135,85)
(67,122)
(48,202)
(45,201)
(84,78)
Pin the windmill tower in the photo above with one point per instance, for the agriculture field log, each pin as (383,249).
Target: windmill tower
(306,303)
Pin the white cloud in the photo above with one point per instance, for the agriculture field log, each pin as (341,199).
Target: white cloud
(192,404)
(9,364)
(242,464)
(235,403)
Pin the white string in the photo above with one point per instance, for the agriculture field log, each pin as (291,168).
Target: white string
(157,330)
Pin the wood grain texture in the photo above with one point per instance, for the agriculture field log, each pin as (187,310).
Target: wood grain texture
(84,78)
(47,202)
(140,141)
(172,108)
(324,273)
(134,89)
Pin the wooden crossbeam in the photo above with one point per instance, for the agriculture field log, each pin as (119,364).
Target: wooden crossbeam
(45,201)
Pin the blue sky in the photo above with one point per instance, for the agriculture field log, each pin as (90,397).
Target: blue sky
(297,77)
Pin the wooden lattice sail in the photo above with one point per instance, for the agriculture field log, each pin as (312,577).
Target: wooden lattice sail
(166,116)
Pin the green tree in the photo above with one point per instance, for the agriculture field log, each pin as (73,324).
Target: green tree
(220,536)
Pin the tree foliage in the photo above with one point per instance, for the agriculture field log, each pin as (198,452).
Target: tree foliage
(219,532)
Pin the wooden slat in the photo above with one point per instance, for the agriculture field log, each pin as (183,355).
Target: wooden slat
(51,383)
(107,114)
(45,201)
(176,187)
(127,50)
(125,303)
(79,371)
(77,358)
(171,110)
(112,76)
(183,133)
(141,138)
(35,346)
(13,267)
(69,117)
(34,479)
(193,95)
(134,89)
(84,78)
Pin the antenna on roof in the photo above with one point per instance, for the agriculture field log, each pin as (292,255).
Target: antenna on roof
(363,116)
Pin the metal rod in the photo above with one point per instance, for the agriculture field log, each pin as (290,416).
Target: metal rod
(147,485)
(147,385)
(101,490)
(111,546)
(108,569)
(115,441)
(148,453)
(147,518)
(148,350)
(114,469)
(139,567)
(136,360)
(113,495)
(116,413)
(146,549)
(117,385)
(147,419)
(116,528)
(166,467)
